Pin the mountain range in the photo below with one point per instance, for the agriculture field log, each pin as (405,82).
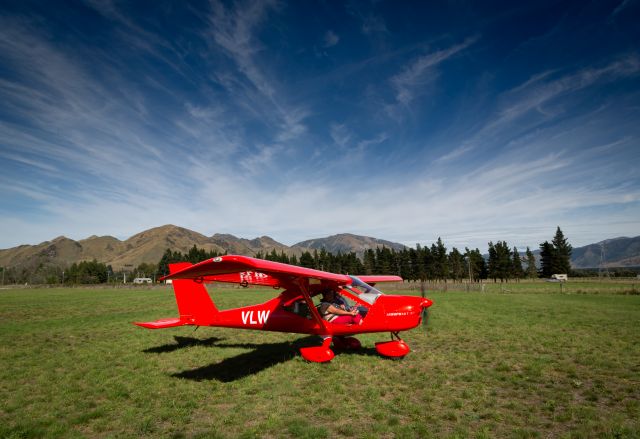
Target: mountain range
(617,252)
(150,245)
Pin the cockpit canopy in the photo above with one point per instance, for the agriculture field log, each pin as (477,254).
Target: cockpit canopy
(363,290)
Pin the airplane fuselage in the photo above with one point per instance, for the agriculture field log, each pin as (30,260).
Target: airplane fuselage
(389,313)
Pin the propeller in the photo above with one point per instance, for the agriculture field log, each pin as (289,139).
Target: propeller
(425,311)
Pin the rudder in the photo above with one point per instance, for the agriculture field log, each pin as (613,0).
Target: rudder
(194,303)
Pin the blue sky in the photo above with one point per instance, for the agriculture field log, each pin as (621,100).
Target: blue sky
(400,120)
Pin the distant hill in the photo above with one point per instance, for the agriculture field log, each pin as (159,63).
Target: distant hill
(618,252)
(242,246)
(149,246)
(347,242)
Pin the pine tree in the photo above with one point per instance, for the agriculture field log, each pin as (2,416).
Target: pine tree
(427,261)
(500,264)
(404,262)
(504,260)
(478,264)
(417,272)
(441,262)
(547,257)
(532,271)
(169,257)
(456,265)
(306,260)
(493,262)
(562,256)
(518,272)
(369,261)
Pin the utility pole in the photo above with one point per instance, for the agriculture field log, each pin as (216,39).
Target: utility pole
(602,268)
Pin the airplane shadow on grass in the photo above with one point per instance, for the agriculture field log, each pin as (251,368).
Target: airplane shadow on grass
(261,357)
(181,343)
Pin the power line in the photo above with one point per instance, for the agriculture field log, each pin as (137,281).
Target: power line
(603,270)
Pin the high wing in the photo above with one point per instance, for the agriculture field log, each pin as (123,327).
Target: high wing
(221,266)
(228,265)
(374,279)
(245,278)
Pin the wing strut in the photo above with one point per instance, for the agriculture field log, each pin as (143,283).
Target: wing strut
(312,307)
(317,354)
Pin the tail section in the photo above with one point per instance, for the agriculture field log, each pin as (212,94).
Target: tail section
(194,304)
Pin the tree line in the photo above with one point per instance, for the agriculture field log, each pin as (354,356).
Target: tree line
(422,263)
(428,263)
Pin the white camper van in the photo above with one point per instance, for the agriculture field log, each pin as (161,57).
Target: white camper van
(142,280)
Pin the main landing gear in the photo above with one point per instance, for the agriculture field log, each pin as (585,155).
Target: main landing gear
(322,354)
(319,354)
(396,348)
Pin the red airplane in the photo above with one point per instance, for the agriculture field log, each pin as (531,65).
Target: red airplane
(294,310)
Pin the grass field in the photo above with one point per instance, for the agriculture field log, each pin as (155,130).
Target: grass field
(491,364)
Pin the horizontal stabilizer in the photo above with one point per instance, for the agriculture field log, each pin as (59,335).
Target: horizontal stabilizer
(162,323)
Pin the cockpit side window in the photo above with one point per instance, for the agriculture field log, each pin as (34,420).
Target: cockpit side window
(298,307)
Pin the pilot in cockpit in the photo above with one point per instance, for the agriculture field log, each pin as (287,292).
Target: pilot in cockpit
(333,309)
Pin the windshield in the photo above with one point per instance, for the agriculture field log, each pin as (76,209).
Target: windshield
(364,291)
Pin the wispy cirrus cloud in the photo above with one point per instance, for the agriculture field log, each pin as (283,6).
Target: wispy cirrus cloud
(340,134)
(544,98)
(543,88)
(371,23)
(234,28)
(423,70)
(222,118)
(456,153)
(351,145)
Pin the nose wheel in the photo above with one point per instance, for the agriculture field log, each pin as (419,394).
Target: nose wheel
(396,348)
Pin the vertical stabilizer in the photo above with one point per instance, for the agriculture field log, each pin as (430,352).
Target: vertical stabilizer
(194,303)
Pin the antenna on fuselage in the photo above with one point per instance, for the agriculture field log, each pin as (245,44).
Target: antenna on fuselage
(425,311)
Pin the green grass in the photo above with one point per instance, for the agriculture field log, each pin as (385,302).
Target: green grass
(623,286)
(490,365)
